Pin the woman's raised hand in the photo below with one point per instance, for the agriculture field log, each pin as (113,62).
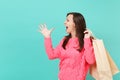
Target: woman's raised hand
(88,33)
(43,29)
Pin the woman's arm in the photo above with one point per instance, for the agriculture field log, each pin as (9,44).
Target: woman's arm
(52,53)
(89,51)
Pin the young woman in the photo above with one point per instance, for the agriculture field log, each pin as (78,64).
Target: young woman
(75,50)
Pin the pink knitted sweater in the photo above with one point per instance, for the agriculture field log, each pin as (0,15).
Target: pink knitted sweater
(73,65)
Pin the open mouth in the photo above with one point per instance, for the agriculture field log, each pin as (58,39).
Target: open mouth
(66,27)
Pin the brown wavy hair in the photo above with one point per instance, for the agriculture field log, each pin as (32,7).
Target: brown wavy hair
(80,25)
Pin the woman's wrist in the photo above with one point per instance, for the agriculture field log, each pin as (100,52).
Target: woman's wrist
(47,36)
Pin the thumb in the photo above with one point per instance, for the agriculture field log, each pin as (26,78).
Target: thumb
(52,29)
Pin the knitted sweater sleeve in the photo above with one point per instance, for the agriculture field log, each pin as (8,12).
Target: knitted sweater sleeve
(89,51)
(52,53)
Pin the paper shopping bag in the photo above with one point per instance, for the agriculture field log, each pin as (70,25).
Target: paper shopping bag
(113,66)
(104,67)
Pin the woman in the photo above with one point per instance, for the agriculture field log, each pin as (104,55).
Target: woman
(75,50)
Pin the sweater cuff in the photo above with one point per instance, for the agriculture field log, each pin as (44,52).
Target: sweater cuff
(47,41)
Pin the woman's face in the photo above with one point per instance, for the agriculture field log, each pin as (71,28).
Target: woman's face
(69,23)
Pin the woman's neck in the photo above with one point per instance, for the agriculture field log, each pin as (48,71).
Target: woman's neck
(73,35)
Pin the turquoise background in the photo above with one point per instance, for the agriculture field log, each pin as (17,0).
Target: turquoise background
(22,53)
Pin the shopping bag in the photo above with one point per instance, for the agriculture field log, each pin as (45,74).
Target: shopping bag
(113,66)
(104,68)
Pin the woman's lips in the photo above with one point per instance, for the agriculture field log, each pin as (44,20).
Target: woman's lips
(66,27)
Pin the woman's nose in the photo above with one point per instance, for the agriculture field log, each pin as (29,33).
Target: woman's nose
(65,22)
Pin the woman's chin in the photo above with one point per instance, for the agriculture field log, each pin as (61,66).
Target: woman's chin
(67,31)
